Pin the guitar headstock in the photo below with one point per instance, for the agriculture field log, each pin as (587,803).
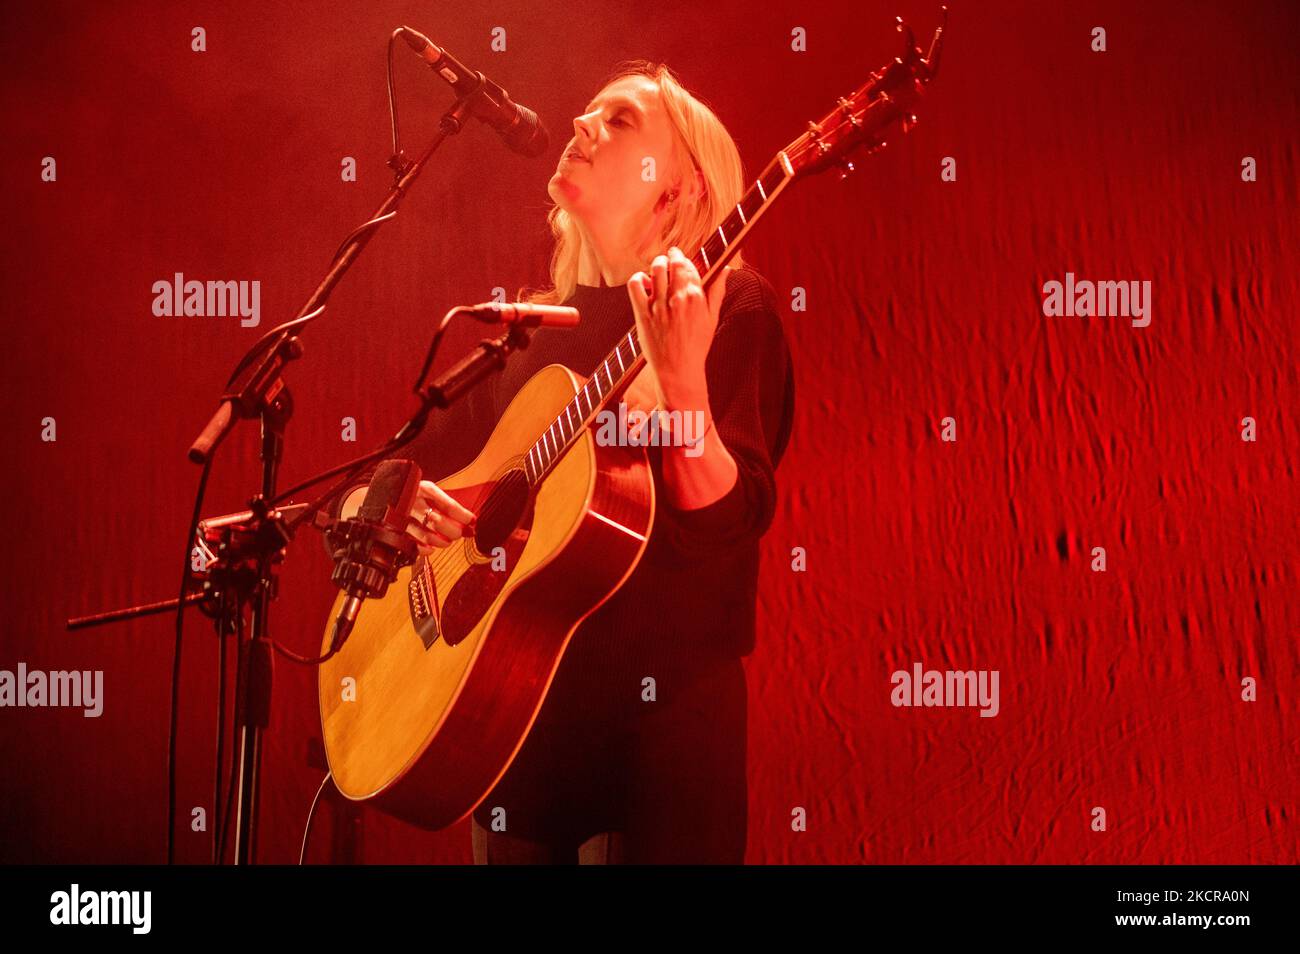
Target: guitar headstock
(864,117)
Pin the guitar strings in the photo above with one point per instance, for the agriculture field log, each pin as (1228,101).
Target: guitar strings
(494,505)
(450,554)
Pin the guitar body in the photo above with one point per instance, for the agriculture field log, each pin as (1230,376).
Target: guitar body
(449,670)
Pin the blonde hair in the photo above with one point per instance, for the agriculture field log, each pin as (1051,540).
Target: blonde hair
(711,150)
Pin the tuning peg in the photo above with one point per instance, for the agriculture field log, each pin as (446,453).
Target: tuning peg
(846,108)
(846,168)
(936,47)
(909,41)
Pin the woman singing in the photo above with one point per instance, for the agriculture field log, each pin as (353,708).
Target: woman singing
(638,752)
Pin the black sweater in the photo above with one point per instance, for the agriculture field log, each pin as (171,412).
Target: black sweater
(692,597)
(691,600)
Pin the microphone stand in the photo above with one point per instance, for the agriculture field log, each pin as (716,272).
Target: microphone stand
(274,413)
(274,536)
(264,395)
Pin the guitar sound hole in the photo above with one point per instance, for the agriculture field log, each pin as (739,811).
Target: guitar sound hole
(502,512)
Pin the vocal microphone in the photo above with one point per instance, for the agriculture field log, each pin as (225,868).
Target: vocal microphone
(518,125)
(372,546)
(525,314)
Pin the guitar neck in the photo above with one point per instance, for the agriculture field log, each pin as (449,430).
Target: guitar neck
(625,361)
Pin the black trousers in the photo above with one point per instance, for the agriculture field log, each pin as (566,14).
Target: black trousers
(664,786)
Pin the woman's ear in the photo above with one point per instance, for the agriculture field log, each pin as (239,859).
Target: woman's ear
(701,187)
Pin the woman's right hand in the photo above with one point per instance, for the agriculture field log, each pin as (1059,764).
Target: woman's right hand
(436,519)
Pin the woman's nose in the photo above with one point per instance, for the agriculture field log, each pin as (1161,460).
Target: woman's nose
(582,126)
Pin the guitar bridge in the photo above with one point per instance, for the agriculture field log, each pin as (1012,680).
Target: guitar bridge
(422,598)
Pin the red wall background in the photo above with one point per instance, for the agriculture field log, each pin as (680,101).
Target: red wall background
(1119,689)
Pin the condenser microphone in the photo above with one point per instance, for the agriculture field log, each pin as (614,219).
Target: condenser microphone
(374,545)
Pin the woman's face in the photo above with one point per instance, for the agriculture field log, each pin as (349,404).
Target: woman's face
(627,140)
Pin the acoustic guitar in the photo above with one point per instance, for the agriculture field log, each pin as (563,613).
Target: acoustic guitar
(429,700)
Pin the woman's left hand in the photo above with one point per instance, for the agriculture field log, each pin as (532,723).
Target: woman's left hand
(676,328)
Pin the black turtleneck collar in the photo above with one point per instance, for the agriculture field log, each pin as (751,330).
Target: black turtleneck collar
(604,295)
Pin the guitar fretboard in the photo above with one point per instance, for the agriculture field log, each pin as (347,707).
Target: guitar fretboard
(623,363)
